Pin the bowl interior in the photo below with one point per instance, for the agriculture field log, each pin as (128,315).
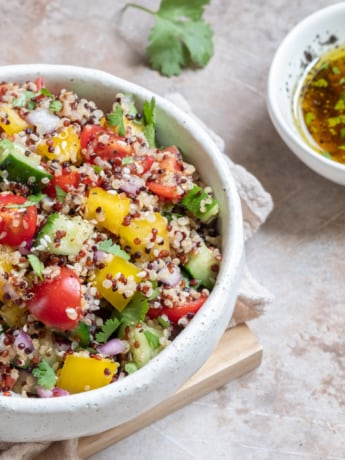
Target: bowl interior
(66,417)
(311,38)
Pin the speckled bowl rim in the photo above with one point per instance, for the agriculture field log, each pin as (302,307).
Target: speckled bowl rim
(284,128)
(210,322)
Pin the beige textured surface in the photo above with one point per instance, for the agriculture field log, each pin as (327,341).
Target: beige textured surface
(292,407)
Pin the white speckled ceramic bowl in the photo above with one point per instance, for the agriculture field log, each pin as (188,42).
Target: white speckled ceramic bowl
(302,47)
(98,410)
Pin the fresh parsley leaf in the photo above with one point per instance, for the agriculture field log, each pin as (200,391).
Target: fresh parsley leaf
(36,265)
(55,106)
(108,328)
(135,310)
(163,322)
(60,194)
(149,112)
(152,339)
(45,375)
(149,132)
(36,198)
(46,92)
(82,334)
(113,248)
(23,99)
(180,37)
(116,119)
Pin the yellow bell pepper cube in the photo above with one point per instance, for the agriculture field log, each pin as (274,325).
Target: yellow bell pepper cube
(113,271)
(65,146)
(14,123)
(108,209)
(82,373)
(147,236)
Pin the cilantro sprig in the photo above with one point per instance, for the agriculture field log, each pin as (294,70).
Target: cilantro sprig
(45,374)
(113,248)
(180,37)
(36,265)
(115,118)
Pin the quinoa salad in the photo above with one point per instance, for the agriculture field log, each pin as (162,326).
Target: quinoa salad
(108,242)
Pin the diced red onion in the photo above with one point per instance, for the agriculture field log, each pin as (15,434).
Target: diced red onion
(51,393)
(131,184)
(170,278)
(113,347)
(101,256)
(25,339)
(44,120)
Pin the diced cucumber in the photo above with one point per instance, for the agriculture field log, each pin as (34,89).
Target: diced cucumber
(22,165)
(201,204)
(201,266)
(144,343)
(63,235)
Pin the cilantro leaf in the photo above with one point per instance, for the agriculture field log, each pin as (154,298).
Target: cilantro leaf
(116,119)
(108,328)
(60,194)
(55,106)
(23,99)
(135,310)
(113,248)
(36,265)
(46,92)
(149,112)
(36,198)
(45,375)
(180,37)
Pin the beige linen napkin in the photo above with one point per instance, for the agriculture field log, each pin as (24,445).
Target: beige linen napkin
(252,297)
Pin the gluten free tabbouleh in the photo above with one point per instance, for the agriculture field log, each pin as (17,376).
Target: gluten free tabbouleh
(108,243)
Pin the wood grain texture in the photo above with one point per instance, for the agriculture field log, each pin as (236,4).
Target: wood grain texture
(237,353)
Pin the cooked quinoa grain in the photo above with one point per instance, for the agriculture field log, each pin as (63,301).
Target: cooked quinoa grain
(108,244)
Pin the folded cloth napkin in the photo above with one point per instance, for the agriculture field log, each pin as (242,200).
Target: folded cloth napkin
(252,296)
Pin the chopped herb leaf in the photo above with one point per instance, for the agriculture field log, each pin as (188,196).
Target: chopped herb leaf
(36,265)
(97,169)
(108,328)
(45,375)
(46,92)
(113,248)
(55,106)
(60,194)
(116,119)
(163,322)
(152,339)
(36,198)
(136,310)
(321,83)
(310,117)
(31,105)
(23,98)
(150,112)
(149,133)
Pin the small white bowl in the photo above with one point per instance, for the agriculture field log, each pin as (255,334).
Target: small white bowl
(26,419)
(309,39)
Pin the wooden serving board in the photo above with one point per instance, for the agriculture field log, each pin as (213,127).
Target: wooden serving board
(237,353)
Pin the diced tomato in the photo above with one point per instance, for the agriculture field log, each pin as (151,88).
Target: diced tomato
(141,165)
(39,82)
(165,182)
(17,224)
(176,313)
(104,143)
(67,181)
(57,302)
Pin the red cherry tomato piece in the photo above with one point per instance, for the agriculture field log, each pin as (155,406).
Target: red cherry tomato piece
(17,224)
(176,313)
(67,181)
(104,143)
(166,181)
(57,302)
(39,82)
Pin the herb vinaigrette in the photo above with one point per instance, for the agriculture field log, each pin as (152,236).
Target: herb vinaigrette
(322,105)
